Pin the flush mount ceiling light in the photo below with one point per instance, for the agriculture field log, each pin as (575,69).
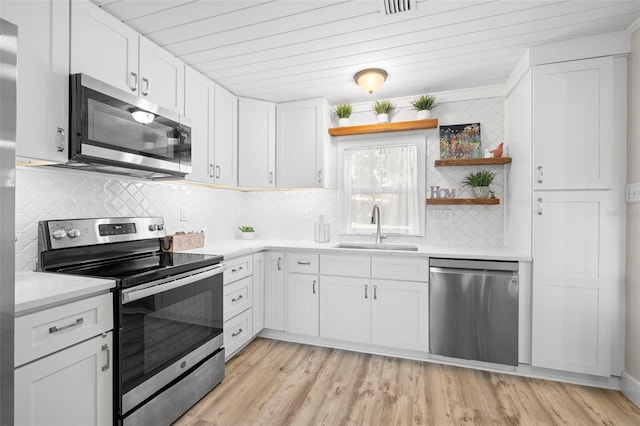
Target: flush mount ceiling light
(370,79)
(142,117)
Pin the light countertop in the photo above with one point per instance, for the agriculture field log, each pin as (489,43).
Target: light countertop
(238,247)
(35,290)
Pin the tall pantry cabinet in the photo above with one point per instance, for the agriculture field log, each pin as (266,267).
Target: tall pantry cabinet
(578,220)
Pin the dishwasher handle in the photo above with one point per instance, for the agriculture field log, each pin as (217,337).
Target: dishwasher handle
(476,272)
(486,265)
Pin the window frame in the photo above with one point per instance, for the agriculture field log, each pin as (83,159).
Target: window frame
(373,142)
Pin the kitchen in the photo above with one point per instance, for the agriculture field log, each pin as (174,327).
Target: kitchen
(284,219)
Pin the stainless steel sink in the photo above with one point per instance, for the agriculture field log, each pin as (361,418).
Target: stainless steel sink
(365,246)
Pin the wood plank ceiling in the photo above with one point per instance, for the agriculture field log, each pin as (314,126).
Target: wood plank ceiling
(281,50)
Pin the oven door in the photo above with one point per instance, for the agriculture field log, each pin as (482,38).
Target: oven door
(118,130)
(166,328)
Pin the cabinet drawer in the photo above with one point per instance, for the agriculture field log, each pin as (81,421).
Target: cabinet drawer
(302,263)
(346,266)
(238,268)
(43,332)
(400,268)
(237,332)
(238,297)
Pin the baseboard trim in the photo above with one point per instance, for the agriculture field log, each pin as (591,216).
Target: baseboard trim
(631,388)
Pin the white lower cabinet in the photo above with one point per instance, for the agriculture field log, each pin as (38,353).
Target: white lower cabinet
(302,304)
(384,312)
(258,292)
(64,373)
(576,251)
(238,331)
(238,304)
(399,315)
(70,387)
(345,311)
(274,291)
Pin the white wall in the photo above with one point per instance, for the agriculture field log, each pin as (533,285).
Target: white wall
(632,358)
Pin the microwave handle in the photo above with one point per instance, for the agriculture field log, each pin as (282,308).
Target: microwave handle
(134,294)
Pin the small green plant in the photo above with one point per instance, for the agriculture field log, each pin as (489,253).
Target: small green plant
(343,111)
(383,107)
(424,102)
(246,229)
(481,178)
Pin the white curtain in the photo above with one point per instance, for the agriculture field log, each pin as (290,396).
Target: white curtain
(386,176)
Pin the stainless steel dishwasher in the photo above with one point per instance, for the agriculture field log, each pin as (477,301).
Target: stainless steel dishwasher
(473,310)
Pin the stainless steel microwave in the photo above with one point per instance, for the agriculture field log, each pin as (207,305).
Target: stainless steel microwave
(113,131)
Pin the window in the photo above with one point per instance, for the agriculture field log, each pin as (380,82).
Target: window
(388,173)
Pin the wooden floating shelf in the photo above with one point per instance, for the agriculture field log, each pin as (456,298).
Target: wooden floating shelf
(466,201)
(398,126)
(473,161)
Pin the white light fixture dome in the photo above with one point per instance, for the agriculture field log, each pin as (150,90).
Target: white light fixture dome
(370,79)
(142,117)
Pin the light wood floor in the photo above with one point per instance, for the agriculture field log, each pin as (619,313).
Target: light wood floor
(280,383)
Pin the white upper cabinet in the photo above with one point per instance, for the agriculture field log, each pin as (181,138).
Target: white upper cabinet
(108,50)
(301,136)
(161,76)
(573,125)
(43,85)
(214,130)
(257,143)
(225,136)
(198,106)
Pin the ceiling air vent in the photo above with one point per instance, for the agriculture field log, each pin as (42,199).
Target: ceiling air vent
(393,7)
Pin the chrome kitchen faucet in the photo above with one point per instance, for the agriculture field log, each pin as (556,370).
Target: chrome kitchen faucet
(376,220)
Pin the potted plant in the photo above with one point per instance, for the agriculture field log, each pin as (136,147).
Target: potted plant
(480,182)
(248,233)
(343,112)
(423,105)
(383,108)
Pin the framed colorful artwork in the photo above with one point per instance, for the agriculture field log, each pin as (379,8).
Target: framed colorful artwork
(460,141)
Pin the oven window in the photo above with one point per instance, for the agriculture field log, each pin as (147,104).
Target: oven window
(158,330)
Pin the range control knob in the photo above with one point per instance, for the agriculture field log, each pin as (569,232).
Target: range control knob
(160,227)
(153,227)
(73,233)
(59,234)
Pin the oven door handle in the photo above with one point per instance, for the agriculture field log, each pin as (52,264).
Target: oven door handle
(134,294)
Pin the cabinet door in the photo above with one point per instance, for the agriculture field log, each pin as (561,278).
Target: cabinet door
(161,76)
(576,267)
(256,143)
(302,304)
(301,131)
(573,125)
(274,291)
(103,47)
(258,292)
(198,107)
(345,309)
(43,85)
(225,130)
(399,314)
(70,387)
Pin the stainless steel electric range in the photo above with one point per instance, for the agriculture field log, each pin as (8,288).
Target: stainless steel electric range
(167,308)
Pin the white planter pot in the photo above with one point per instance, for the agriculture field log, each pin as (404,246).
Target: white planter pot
(383,118)
(424,114)
(248,235)
(481,191)
(342,122)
